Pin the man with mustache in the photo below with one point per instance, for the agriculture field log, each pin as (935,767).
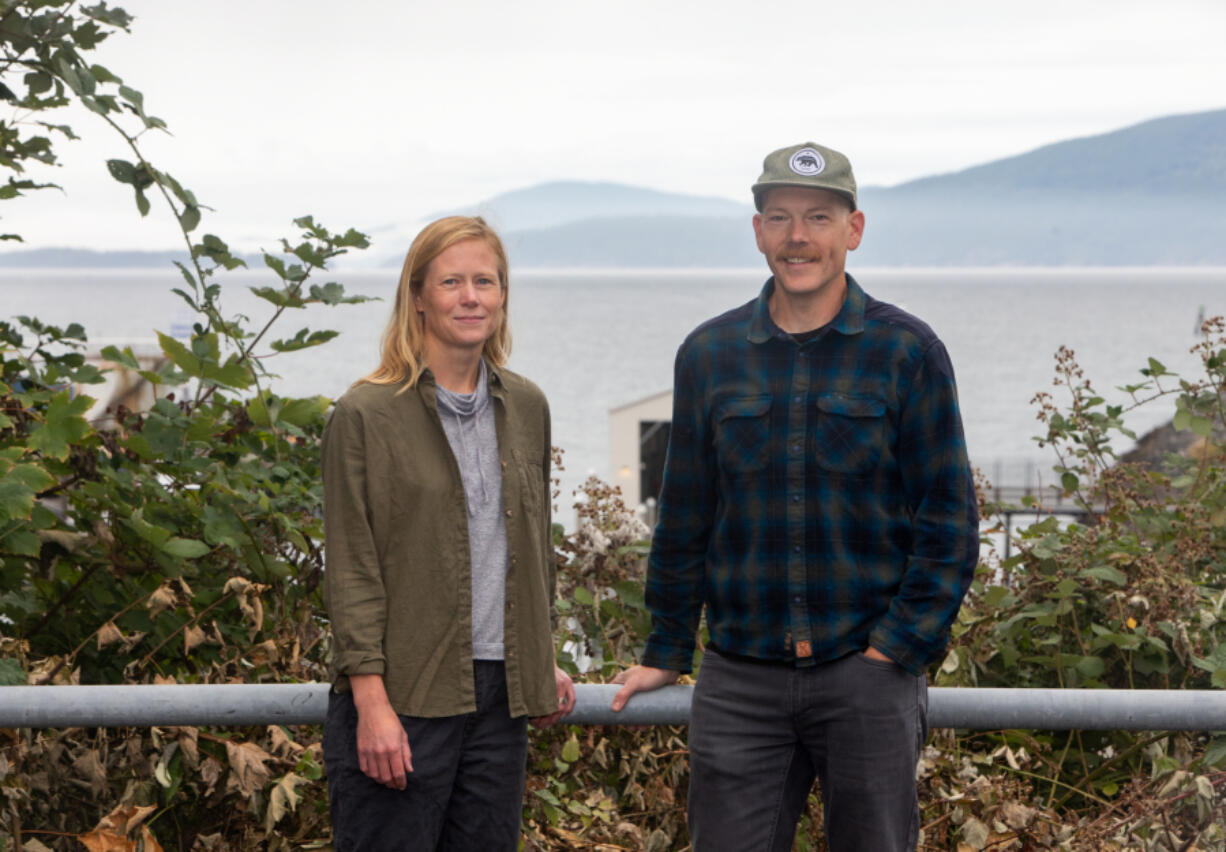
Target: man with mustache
(818,503)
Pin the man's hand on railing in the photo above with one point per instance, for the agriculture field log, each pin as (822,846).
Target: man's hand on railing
(640,679)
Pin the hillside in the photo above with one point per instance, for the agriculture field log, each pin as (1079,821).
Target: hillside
(1147,195)
(1177,156)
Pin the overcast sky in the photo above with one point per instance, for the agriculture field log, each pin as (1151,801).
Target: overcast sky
(374,113)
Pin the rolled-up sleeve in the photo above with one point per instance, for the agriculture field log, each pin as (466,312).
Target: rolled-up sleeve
(353,582)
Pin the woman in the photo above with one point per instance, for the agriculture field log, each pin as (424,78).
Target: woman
(440,570)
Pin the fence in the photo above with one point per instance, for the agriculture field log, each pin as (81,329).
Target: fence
(306,703)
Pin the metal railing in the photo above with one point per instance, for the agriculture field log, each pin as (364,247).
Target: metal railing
(306,703)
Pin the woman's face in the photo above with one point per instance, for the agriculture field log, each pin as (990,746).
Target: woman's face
(462,297)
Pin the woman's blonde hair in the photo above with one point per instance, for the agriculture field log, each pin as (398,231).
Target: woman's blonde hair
(404,339)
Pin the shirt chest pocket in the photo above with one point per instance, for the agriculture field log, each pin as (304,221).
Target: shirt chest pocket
(531,476)
(849,434)
(742,434)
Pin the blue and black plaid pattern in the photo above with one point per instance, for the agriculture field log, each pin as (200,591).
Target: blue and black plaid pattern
(817,496)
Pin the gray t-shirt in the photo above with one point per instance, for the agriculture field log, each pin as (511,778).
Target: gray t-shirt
(468,420)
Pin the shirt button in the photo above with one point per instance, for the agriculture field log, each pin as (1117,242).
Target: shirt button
(796,548)
(797,598)
(798,399)
(796,448)
(510,513)
(795,498)
(504,464)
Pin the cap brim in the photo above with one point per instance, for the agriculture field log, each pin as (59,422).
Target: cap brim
(759,188)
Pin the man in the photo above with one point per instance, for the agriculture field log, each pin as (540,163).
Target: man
(818,501)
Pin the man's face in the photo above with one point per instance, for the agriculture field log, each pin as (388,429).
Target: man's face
(805,235)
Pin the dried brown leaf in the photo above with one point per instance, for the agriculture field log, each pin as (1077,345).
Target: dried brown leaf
(1016,815)
(164,680)
(192,637)
(133,639)
(124,819)
(282,744)
(108,634)
(39,669)
(264,653)
(283,800)
(188,738)
(149,842)
(89,766)
(162,599)
(106,841)
(210,772)
(248,772)
(235,584)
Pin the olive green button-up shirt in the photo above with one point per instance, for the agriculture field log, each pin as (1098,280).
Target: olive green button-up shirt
(398,579)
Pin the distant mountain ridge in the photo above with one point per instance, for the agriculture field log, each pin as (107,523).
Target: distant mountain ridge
(1150,194)
(1180,155)
(566,202)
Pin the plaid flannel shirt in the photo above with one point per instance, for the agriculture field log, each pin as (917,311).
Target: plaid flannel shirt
(817,496)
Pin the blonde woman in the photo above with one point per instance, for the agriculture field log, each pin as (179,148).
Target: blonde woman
(440,571)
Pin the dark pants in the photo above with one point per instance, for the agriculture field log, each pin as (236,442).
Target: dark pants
(759,735)
(465,791)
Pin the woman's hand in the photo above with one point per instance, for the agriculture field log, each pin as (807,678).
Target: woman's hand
(566,700)
(383,746)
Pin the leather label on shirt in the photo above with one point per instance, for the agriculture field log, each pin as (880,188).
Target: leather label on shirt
(804,648)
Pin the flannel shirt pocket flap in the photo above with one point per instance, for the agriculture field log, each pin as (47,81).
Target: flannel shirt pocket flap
(852,406)
(745,406)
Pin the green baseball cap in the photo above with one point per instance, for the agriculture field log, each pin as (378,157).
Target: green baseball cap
(806,165)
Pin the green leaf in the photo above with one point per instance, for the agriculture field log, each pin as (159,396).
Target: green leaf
(304,339)
(1107,574)
(122,171)
(1202,426)
(149,532)
(334,294)
(1215,755)
(631,592)
(16,500)
(1091,667)
(279,297)
(302,412)
(1182,419)
(258,412)
(11,673)
(63,425)
(185,548)
(180,356)
(21,543)
(221,528)
(570,751)
(1069,482)
(232,374)
(31,475)
(142,203)
(583,596)
(189,218)
(38,82)
(123,358)
(102,75)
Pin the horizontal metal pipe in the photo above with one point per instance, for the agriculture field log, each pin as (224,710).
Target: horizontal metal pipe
(306,703)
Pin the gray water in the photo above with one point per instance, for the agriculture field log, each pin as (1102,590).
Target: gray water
(597,340)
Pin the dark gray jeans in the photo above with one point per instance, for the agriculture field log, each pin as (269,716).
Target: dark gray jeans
(466,790)
(760,734)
